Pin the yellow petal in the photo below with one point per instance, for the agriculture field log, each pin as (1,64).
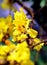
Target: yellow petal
(38,47)
(32,33)
(16,33)
(22,37)
(1,36)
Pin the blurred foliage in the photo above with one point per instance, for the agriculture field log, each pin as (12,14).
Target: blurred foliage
(42,3)
(42,58)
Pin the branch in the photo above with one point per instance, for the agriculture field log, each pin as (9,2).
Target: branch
(29,10)
(44,41)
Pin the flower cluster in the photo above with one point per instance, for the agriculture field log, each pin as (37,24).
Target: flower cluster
(19,53)
(21,27)
(5,26)
(21,32)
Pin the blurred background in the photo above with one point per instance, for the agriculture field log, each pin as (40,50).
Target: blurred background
(39,8)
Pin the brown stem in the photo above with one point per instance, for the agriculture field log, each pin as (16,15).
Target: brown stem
(29,10)
(44,41)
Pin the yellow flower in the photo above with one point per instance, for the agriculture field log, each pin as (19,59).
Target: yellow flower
(22,37)
(20,28)
(3,26)
(21,53)
(23,44)
(1,36)
(5,49)
(20,18)
(21,24)
(32,33)
(38,47)
(1,51)
(6,26)
(16,33)
(12,46)
(9,22)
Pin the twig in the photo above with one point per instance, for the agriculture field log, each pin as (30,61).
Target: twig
(44,41)
(29,10)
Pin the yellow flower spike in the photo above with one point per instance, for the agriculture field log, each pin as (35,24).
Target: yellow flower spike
(38,47)
(21,24)
(32,33)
